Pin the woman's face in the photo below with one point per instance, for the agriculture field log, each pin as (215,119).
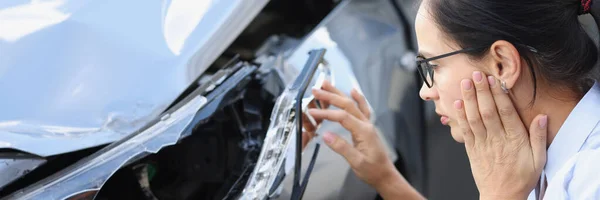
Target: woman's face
(448,73)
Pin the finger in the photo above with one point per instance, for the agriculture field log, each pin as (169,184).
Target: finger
(363,106)
(324,104)
(342,147)
(472,110)
(347,120)
(487,106)
(339,101)
(538,133)
(508,114)
(463,124)
(327,86)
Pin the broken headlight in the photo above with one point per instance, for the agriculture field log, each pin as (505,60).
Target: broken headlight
(283,143)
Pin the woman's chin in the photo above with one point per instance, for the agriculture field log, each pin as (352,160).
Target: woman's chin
(456,133)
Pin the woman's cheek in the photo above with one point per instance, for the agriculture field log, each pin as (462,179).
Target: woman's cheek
(447,97)
(450,91)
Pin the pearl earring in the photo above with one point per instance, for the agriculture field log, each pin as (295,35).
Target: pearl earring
(503,86)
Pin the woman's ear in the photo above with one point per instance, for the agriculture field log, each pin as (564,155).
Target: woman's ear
(505,62)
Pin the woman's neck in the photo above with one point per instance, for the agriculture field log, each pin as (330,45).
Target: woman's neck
(557,111)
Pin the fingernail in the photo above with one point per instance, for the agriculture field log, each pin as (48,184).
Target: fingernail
(466,84)
(477,76)
(544,121)
(492,81)
(458,104)
(329,138)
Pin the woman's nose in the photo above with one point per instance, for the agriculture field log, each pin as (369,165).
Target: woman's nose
(427,93)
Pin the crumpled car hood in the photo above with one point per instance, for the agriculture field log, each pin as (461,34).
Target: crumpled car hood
(76,74)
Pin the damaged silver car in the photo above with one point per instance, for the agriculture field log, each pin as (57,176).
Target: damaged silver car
(185,99)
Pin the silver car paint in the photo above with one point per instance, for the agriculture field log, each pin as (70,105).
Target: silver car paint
(14,168)
(76,74)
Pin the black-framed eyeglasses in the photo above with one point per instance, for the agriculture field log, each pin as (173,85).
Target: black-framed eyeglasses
(426,69)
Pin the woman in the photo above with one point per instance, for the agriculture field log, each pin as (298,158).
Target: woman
(510,79)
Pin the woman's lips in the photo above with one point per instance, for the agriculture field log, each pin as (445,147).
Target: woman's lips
(444,120)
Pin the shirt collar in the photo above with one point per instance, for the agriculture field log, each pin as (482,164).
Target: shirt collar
(574,131)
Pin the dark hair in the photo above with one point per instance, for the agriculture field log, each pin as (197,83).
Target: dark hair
(547,34)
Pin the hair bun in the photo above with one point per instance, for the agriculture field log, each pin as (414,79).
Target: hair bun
(586,6)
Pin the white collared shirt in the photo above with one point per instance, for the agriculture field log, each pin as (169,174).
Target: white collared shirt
(572,168)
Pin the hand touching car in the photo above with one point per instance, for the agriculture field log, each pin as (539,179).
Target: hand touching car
(366,155)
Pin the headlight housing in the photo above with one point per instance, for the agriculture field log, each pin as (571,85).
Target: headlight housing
(280,151)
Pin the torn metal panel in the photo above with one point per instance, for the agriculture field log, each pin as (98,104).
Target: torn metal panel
(92,172)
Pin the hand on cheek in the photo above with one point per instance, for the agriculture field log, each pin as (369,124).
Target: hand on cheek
(506,159)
